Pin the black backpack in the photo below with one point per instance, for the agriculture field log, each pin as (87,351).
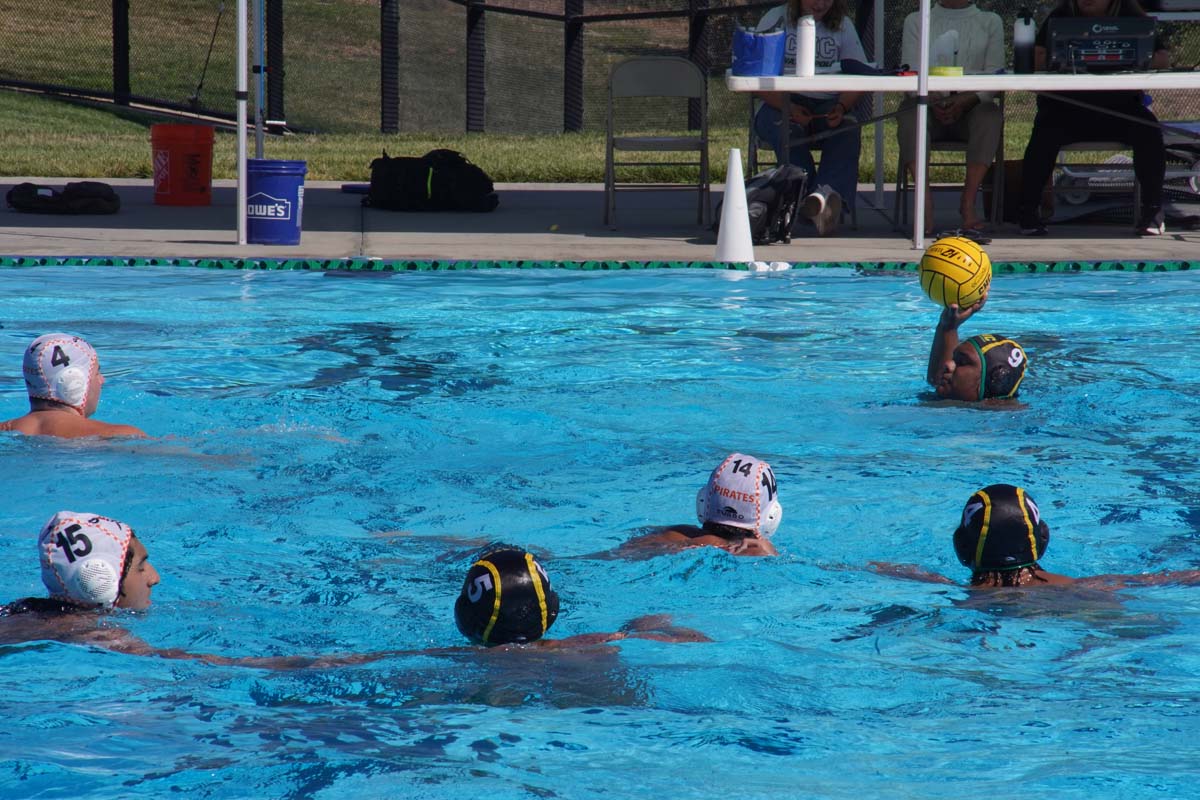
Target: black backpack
(772,198)
(82,197)
(440,180)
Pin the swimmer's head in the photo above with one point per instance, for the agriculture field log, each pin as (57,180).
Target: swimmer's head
(84,558)
(63,369)
(505,598)
(1001,529)
(982,367)
(1002,365)
(741,493)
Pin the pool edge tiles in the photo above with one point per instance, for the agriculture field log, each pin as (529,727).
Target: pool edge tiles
(451,265)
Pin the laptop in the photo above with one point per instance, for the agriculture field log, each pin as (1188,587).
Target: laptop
(1080,44)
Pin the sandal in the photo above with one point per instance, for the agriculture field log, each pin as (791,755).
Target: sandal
(975,235)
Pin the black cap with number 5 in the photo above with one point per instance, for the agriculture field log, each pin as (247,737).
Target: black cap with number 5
(505,598)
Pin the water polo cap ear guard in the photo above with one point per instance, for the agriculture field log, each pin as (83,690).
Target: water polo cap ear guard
(82,557)
(774,511)
(58,367)
(741,493)
(1001,529)
(1002,363)
(505,598)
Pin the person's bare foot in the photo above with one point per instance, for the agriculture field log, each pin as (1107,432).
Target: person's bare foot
(970,221)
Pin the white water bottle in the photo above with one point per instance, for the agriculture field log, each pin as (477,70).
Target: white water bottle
(1023,40)
(806,47)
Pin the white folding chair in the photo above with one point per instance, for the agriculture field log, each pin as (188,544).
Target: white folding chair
(667,77)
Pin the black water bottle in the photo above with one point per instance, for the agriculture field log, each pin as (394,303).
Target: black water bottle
(1023,39)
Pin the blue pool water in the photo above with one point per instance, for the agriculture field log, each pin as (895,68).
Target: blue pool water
(332,447)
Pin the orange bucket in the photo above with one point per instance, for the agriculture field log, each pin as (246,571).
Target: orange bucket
(182,156)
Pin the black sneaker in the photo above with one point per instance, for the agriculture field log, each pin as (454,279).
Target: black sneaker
(1150,222)
(1032,226)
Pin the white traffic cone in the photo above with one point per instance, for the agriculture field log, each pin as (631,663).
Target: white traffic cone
(733,239)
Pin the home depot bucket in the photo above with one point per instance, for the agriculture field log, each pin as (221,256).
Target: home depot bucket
(274,200)
(182,156)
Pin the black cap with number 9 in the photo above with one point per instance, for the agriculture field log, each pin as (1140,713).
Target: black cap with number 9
(1002,364)
(505,598)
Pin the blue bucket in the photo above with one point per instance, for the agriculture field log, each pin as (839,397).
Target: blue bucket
(758,53)
(274,200)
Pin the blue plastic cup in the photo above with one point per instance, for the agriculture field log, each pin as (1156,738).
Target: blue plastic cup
(274,200)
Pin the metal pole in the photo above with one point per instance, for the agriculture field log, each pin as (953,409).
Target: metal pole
(276,115)
(697,53)
(120,51)
(476,120)
(240,95)
(389,66)
(920,168)
(572,66)
(259,76)
(877,54)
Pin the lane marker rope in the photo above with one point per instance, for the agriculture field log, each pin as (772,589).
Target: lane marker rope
(452,265)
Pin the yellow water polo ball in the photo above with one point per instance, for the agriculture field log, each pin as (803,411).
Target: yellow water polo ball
(954,270)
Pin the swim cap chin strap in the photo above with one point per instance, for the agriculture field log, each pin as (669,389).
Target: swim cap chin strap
(982,368)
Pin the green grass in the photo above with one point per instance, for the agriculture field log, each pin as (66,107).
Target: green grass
(332,61)
(55,138)
(332,86)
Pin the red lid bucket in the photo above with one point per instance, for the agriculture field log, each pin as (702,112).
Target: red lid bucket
(182,157)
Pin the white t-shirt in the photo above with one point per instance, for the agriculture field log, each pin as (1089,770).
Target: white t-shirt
(980,39)
(832,46)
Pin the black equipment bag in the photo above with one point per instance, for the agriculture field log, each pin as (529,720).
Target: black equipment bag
(82,197)
(772,198)
(440,180)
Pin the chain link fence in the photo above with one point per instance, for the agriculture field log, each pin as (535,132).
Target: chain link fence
(424,66)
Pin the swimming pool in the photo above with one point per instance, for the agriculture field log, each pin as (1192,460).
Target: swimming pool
(333,444)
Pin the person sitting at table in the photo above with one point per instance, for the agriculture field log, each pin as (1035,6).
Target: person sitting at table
(971,117)
(1066,117)
(813,113)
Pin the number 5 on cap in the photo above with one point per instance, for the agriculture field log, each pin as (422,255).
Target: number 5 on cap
(478,586)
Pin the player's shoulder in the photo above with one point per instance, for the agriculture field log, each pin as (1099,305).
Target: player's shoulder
(112,429)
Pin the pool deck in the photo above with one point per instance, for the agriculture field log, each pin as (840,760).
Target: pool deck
(534,222)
